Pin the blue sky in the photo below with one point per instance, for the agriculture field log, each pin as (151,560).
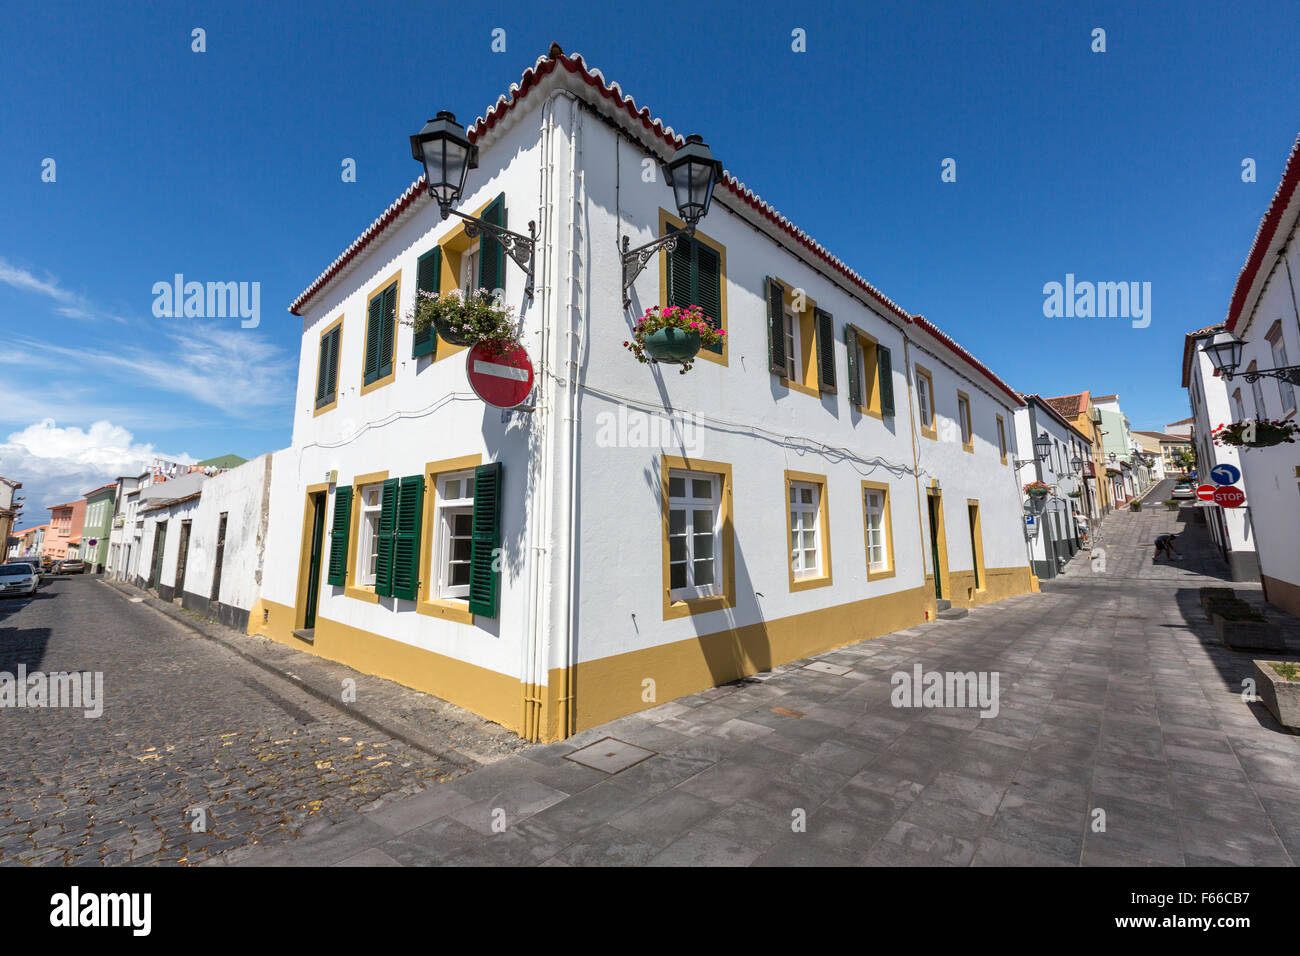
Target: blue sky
(225,166)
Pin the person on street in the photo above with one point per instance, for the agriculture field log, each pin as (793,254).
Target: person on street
(1165,545)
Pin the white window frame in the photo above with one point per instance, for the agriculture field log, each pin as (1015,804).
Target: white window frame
(963,418)
(1238,406)
(447,509)
(924,400)
(1257,392)
(791,329)
(805,516)
(881,528)
(469,261)
(367,538)
(689,503)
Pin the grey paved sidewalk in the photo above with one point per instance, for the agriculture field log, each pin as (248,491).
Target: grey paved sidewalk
(1114,700)
(443,730)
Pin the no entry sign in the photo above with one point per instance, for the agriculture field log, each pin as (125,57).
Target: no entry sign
(1230,496)
(1206,492)
(503,379)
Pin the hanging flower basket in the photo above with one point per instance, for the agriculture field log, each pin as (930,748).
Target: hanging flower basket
(1037,489)
(1075,494)
(465,319)
(673,335)
(1256,434)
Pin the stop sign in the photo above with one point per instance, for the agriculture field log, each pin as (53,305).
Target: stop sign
(500,378)
(1230,496)
(1206,492)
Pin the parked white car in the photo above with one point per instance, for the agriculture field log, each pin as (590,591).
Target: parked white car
(17,580)
(1184,489)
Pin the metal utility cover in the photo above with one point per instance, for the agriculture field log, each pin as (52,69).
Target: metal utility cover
(825,667)
(610,755)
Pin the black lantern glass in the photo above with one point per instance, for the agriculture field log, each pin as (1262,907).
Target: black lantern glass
(447,155)
(1076,463)
(1043,446)
(1224,351)
(693,172)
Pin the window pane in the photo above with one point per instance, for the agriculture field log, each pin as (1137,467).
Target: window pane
(676,487)
(702,488)
(460,549)
(451,488)
(677,522)
(677,549)
(703,573)
(805,495)
(794,494)
(703,522)
(704,546)
(459,574)
(463,523)
(677,576)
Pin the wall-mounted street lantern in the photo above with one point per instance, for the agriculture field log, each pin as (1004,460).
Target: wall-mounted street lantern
(1112,456)
(692,173)
(1224,352)
(1043,446)
(1077,464)
(448,156)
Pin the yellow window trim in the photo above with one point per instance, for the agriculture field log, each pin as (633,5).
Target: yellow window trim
(350,587)
(717,602)
(824,531)
(397,324)
(666,221)
(454,245)
(1002,438)
(869,365)
(978,533)
(448,609)
(932,431)
(966,446)
(808,384)
(338,384)
(887,513)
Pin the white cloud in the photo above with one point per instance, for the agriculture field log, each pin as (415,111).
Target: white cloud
(57,464)
(69,303)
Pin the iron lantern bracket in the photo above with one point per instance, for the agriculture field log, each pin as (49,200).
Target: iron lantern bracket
(635,260)
(518,247)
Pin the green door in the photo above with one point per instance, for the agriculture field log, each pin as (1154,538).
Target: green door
(313,568)
(159,537)
(934,544)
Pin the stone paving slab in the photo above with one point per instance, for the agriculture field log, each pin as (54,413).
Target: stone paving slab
(1121,739)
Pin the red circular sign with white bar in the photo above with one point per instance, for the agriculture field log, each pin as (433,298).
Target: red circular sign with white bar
(1206,492)
(502,379)
(1230,496)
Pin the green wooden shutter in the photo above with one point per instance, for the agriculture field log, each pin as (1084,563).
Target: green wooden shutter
(484,578)
(886,373)
(708,287)
(338,568)
(387,329)
(332,385)
(825,326)
(428,278)
(491,259)
(679,271)
(406,538)
(851,342)
(373,312)
(776,326)
(384,546)
(322,373)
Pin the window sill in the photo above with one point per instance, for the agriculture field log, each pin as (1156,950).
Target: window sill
(808,584)
(873,413)
(882,574)
(676,608)
(326,408)
(931,433)
(366,594)
(379,382)
(798,387)
(969,448)
(449,609)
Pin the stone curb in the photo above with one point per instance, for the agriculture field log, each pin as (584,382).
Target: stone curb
(382,721)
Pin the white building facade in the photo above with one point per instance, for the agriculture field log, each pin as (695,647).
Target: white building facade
(1263,315)
(1057,524)
(834,470)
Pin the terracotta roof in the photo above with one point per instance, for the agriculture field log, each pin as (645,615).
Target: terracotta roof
(111,484)
(1071,406)
(1105,398)
(1264,236)
(1165,436)
(1189,348)
(1181,421)
(1047,407)
(612,93)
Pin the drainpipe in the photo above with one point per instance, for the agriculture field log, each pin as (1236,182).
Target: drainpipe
(916,465)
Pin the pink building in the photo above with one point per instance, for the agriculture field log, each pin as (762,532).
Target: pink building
(63,536)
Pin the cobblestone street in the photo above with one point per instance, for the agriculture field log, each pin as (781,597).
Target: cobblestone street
(197,751)
(1114,697)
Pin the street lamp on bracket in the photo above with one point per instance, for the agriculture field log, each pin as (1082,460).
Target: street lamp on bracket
(447,154)
(693,172)
(1224,353)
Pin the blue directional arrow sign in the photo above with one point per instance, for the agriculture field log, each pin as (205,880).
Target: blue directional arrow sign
(1225,475)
